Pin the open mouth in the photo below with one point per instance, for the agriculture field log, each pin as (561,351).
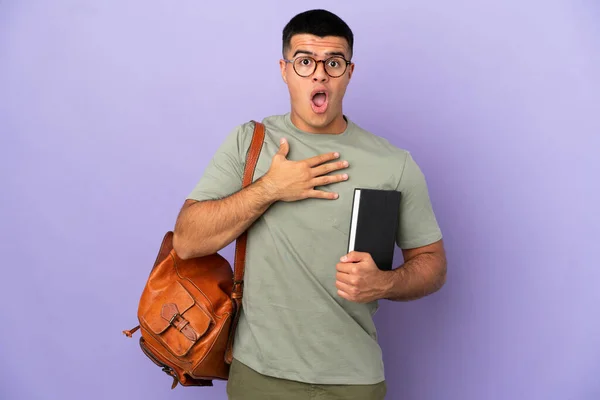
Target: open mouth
(319,101)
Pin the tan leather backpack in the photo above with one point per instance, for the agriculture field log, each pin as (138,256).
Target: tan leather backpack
(189,309)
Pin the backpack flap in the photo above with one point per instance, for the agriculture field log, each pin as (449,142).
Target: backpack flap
(176,320)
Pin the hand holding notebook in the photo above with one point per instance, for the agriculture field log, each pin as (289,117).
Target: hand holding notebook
(359,280)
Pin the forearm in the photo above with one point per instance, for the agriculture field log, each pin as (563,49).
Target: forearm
(208,226)
(419,277)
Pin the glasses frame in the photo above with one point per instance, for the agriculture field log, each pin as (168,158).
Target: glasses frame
(293,62)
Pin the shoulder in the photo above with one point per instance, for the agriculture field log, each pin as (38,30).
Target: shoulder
(239,138)
(379,144)
(246,129)
(275,122)
(243,131)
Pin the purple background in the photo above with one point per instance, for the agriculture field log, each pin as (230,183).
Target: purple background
(109,111)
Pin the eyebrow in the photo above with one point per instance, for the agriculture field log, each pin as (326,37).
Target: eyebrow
(329,53)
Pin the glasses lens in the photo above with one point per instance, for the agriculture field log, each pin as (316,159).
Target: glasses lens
(335,66)
(304,66)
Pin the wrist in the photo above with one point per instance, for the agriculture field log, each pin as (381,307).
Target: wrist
(268,189)
(389,283)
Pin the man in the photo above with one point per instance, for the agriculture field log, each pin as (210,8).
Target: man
(306,329)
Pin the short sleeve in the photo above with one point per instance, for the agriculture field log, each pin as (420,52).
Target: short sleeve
(417,223)
(223,175)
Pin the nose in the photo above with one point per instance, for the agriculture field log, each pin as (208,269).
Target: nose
(320,75)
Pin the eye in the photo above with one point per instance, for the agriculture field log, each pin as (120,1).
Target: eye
(304,62)
(335,63)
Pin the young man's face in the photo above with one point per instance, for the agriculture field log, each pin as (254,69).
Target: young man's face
(317,113)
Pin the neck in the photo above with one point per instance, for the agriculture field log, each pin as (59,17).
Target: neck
(336,126)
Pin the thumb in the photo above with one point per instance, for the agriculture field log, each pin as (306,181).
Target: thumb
(354,256)
(284,147)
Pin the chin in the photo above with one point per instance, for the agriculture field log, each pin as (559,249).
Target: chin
(320,120)
(321,124)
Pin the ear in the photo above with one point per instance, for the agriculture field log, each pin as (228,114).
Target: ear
(282,65)
(350,70)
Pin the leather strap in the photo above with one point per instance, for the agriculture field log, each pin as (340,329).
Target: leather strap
(240,246)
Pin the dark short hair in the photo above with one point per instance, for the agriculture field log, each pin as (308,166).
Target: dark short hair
(319,23)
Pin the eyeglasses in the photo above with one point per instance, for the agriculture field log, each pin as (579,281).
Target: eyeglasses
(305,66)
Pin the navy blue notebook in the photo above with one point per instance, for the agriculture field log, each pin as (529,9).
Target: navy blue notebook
(374,224)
